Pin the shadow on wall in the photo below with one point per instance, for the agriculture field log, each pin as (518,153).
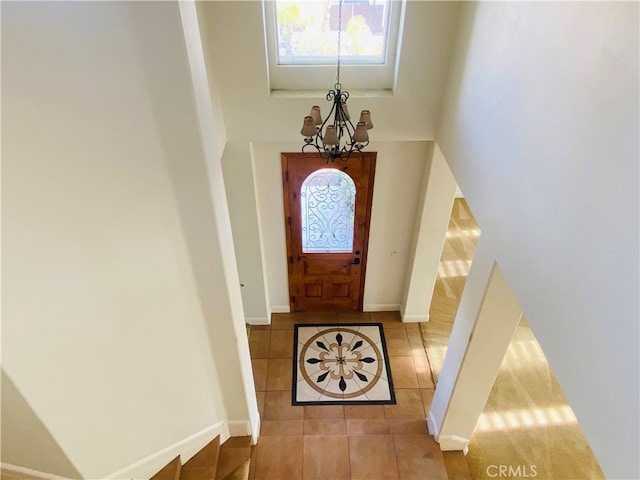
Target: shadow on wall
(26,442)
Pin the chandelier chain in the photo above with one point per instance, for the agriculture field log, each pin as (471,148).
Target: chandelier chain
(339,40)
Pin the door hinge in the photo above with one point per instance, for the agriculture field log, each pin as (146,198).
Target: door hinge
(289,220)
(293,299)
(286,175)
(290,259)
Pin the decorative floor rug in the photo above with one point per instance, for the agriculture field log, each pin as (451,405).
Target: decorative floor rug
(341,365)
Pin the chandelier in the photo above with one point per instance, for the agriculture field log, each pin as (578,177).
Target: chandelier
(336,135)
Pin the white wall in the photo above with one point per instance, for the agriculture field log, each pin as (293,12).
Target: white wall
(540,128)
(400,168)
(20,427)
(110,236)
(207,225)
(432,222)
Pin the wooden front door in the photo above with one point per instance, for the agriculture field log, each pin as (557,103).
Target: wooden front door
(327,210)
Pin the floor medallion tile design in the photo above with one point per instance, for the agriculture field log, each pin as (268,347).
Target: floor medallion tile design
(337,364)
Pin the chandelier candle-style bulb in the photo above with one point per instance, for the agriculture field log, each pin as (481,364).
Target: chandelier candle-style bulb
(361,135)
(365,116)
(308,127)
(315,114)
(331,136)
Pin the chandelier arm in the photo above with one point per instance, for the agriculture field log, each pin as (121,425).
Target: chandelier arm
(331,114)
(353,152)
(343,124)
(348,128)
(309,145)
(318,143)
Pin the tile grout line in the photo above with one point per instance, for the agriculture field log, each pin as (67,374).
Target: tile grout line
(395,451)
(348,443)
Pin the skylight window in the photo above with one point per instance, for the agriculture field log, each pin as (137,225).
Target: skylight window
(307,32)
(301,43)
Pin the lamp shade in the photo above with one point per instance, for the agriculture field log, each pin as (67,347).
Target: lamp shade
(365,116)
(315,114)
(308,127)
(345,112)
(330,136)
(361,135)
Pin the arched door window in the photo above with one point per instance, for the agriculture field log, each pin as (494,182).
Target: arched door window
(328,198)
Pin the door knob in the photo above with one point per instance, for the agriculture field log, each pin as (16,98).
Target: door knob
(355,261)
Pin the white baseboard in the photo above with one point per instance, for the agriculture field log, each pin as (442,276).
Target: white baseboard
(415,318)
(186,448)
(257,320)
(381,307)
(256,434)
(14,472)
(432,426)
(280,309)
(239,428)
(446,442)
(453,442)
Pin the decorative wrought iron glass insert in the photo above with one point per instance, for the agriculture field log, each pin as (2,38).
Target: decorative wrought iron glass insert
(328,199)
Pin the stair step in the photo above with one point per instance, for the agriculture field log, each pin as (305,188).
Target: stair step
(240,473)
(234,454)
(198,473)
(231,461)
(237,442)
(171,471)
(203,465)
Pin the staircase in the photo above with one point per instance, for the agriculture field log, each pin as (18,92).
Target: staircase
(229,461)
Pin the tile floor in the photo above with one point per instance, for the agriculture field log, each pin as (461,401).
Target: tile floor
(343,442)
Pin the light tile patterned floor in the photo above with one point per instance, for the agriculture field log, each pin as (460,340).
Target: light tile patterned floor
(343,442)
